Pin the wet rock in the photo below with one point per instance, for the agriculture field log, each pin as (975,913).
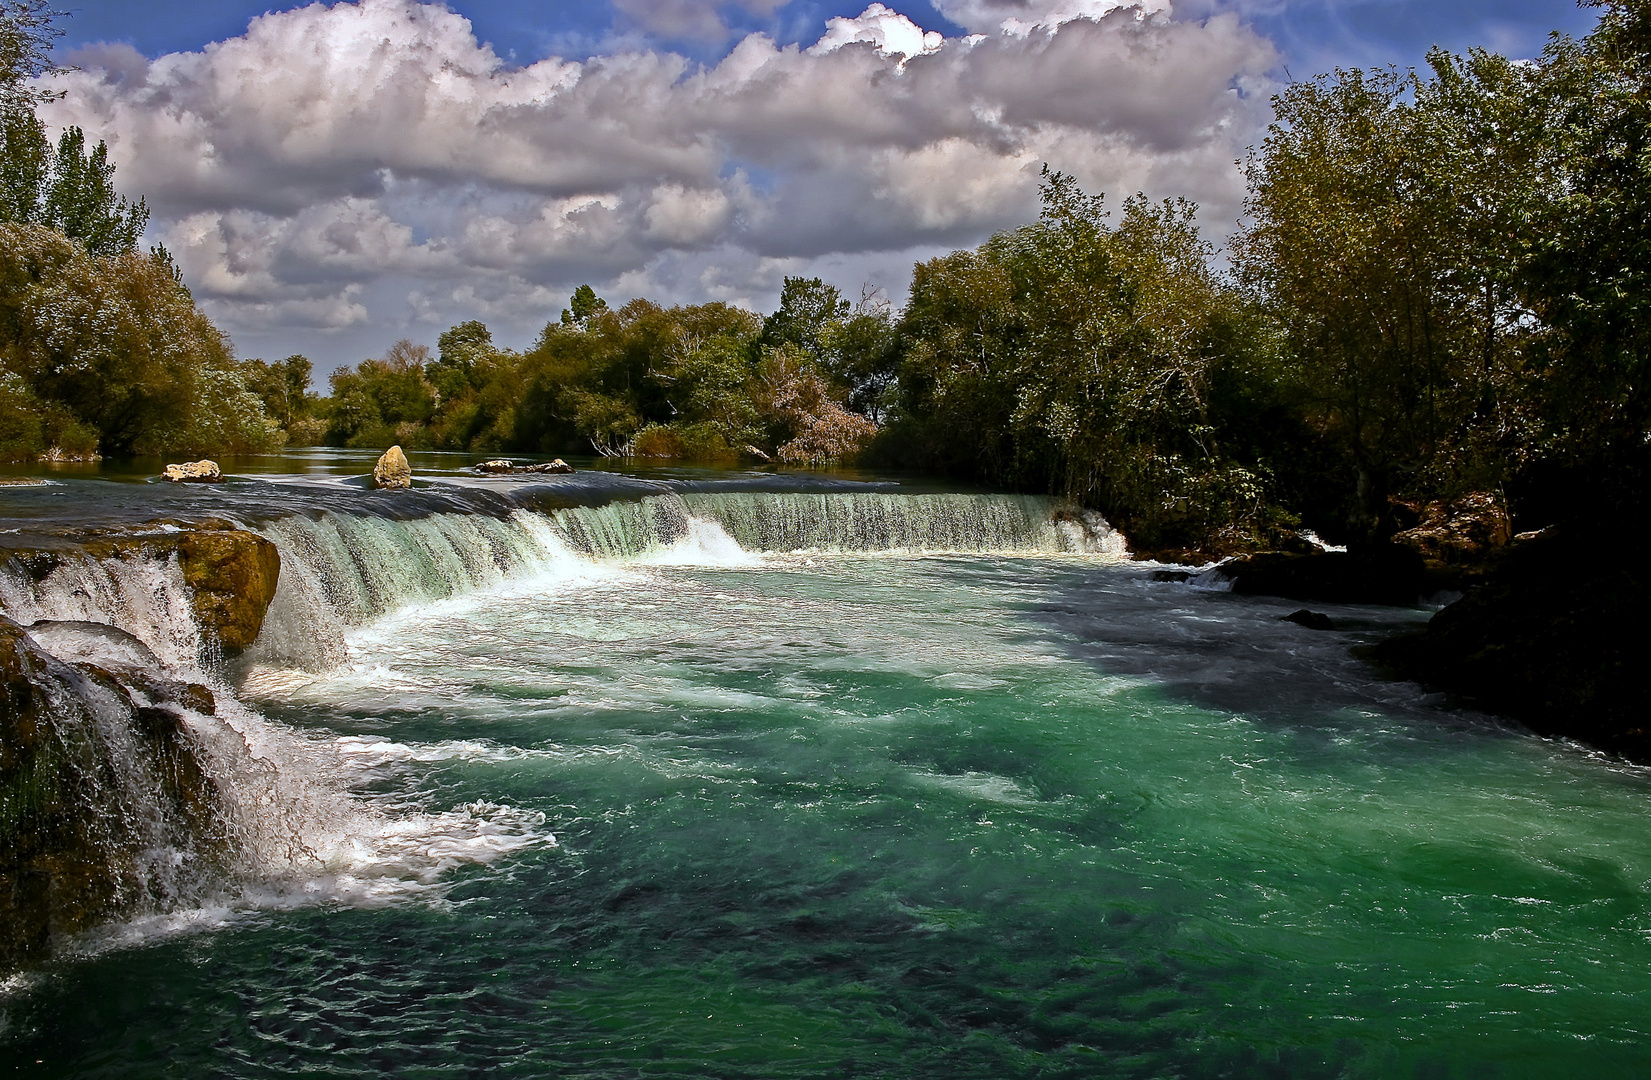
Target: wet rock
(1458,531)
(231,573)
(1175,576)
(1554,637)
(392,472)
(502,465)
(194,472)
(755,452)
(1389,575)
(82,812)
(1312,620)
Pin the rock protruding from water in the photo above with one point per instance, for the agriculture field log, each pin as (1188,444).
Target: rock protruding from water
(1463,531)
(1554,637)
(231,573)
(1312,620)
(106,806)
(506,466)
(1389,575)
(194,472)
(392,473)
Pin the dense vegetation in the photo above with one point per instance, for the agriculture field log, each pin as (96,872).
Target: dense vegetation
(1440,290)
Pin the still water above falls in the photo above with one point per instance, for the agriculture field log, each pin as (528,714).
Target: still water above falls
(843,783)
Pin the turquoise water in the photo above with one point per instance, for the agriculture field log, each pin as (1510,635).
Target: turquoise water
(995,814)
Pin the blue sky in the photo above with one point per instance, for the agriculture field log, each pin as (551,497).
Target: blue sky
(1313,34)
(331,179)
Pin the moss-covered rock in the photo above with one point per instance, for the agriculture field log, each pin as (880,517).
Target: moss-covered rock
(96,769)
(231,573)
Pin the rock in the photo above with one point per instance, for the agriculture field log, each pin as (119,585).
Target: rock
(194,472)
(1312,620)
(392,472)
(1389,575)
(1176,576)
(90,642)
(752,451)
(502,465)
(231,573)
(1462,530)
(76,843)
(1553,637)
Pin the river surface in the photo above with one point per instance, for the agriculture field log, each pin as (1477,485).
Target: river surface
(747,776)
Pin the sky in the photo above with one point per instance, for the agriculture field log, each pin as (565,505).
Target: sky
(334,177)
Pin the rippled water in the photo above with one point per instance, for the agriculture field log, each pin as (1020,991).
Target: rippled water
(847,815)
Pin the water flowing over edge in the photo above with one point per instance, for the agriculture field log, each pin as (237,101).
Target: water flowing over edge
(291,824)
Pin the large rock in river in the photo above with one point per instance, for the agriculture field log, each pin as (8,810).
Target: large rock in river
(231,573)
(195,472)
(392,471)
(1388,574)
(104,792)
(1554,637)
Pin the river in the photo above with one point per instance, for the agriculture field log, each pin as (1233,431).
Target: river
(682,773)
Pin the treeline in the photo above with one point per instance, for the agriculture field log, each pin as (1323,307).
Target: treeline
(102,350)
(707,382)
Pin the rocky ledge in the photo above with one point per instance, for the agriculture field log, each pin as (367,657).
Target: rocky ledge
(1553,637)
(231,573)
(506,466)
(106,804)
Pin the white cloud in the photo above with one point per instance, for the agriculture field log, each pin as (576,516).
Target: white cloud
(335,157)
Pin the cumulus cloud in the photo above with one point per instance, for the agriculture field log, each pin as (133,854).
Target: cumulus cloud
(332,157)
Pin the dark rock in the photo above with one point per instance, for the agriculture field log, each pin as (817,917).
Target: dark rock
(1178,576)
(1389,575)
(73,842)
(1554,637)
(1312,620)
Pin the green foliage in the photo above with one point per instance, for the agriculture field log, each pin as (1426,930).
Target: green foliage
(284,389)
(112,345)
(1077,355)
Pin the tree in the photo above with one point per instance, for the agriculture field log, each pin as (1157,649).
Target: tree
(583,305)
(1378,210)
(115,350)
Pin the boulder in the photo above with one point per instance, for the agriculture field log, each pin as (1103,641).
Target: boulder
(76,845)
(392,472)
(1312,620)
(497,465)
(231,573)
(1385,574)
(1456,532)
(1553,637)
(232,576)
(194,472)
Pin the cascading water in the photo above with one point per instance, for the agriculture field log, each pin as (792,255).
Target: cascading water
(267,806)
(819,806)
(343,570)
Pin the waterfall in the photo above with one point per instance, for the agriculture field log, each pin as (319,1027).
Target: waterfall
(340,570)
(134,781)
